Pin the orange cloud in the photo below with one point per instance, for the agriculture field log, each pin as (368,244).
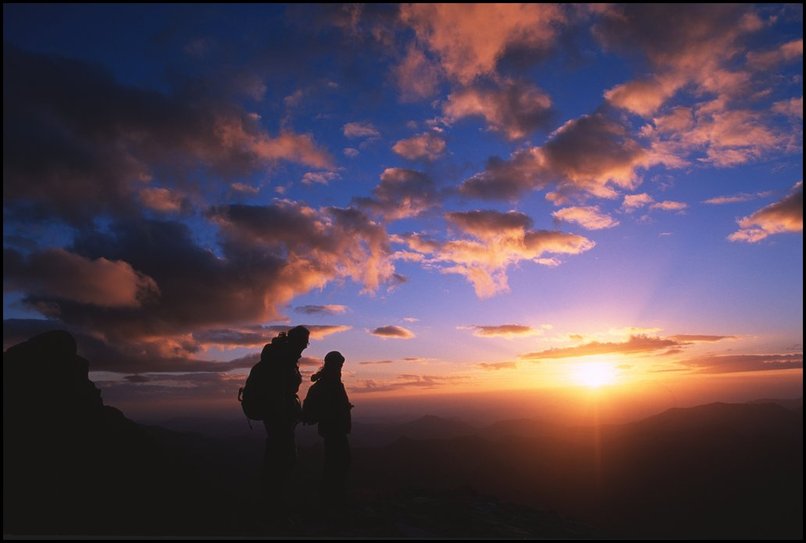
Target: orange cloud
(514,110)
(503,240)
(405,382)
(791,108)
(495,366)
(57,273)
(470,39)
(590,218)
(780,217)
(506,331)
(428,146)
(592,155)
(392,331)
(635,201)
(161,199)
(634,345)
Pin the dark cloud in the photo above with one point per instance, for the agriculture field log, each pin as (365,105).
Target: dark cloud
(393,332)
(634,345)
(78,143)
(696,338)
(330,309)
(591,155)
(730,363)
(401,193)
(786,215)
(376,362)
(515,109)
(405,382)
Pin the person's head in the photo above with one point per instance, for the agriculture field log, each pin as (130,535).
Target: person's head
(298,337)
(332,366)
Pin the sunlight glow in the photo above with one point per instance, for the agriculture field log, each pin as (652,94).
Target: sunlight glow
(594,374)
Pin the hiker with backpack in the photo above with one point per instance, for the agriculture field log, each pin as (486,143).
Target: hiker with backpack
(270,395)
(327,405)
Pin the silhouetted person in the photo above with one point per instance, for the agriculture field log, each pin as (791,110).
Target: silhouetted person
(327,404)
(283,412)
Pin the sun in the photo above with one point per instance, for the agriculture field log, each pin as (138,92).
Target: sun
(594,374)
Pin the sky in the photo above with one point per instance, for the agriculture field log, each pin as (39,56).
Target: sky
(461,199)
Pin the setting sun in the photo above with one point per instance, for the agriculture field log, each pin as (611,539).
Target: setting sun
(594,374)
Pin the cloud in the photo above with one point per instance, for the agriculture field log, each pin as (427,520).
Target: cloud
(424,146)
(590,218)
(783,216)
(61,275)
(361,130)
(405,382)
(785,52)
(635,345)
(470,39)
(736,198)
(635,201)
(696,338)
(506,331)
(391,331)
(376,362)
(515,109)
(330,309)
(502,239)
(669,205)
(162,199)
(351,152)
(730,363)
(266,256)
(322,178)
(257,336)
(791,108)
(495,366)
(417,76)
(84,144)
(593,155)
(401,193)
(693,45)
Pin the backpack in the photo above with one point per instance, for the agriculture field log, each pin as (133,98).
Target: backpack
(252,394)
(312,406)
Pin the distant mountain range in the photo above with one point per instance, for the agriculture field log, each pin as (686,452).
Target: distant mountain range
(74,466)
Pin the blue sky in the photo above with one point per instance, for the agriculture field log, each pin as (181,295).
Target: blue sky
(452,194)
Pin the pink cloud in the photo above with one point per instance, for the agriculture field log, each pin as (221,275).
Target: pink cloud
(57,273)
(590,217)
(417,76)
(502,240)
(594,155)
(360,130)
(161,199)
(470,39)
(397,332)
(424,146)
(401,193)
(514,110)
(780,217)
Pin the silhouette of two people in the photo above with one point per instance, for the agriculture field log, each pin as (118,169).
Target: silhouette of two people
(327,405)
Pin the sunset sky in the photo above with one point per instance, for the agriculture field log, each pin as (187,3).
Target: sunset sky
(458,198)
